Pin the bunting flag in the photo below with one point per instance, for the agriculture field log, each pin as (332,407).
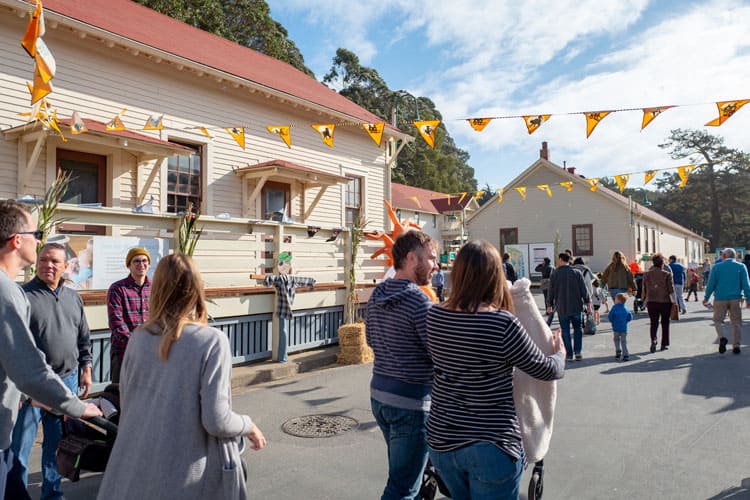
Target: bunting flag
(326,132)
(726,110)
(34,30)
(545,188)
(40,89)
(684,172)
(478,124)
(116,122)
(427,131)
(622,181)
(463,195)
(500,192)
(154,123)
(77,125)
(592,120)
(416,200)
(238,134)
(594,183)
(45,62)
(568,185)
(650,113)
(55,124)
(533,122)
(375,130)
(283,132)
(479,195)
(204,131)
(522,191)
(648,176)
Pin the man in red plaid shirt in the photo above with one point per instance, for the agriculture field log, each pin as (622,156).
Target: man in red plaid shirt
(127,306)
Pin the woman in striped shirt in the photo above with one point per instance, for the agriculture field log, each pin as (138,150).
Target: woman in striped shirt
(475,341)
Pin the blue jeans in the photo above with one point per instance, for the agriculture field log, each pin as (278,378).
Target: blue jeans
(565,321)
(478,471)
(405,433)
(24,435)
(283,339)
(615,291)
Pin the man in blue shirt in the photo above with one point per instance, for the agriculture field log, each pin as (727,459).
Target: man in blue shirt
(679,276)
(728,281)
(438,283)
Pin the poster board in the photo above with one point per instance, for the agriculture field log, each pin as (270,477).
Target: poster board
(537,253)
(519,258)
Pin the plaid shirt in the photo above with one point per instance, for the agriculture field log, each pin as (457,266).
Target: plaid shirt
(285,286)
(127,308)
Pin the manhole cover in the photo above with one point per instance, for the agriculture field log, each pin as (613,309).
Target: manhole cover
(313,426)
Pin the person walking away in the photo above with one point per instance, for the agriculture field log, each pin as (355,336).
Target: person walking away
(178,437)
(510,272)
(693,279)
(597,297)
(617,276)
(475,342)
(546,269)
(61,332)
(619,317)
(658,290)
(127,306)
(727,282)
(706,270)
(568,294)
(438,283)
(401,384)
(679,277)
(22,366)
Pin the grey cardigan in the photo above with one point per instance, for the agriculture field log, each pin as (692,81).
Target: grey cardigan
(177,429)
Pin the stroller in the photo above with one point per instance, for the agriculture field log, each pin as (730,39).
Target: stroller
(87,444)
(639,305)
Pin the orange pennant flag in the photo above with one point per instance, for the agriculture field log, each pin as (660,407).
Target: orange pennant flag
(375,130)
(522,191)
(500,192)
(154,123)
(204,131)
(478,195)
(283,132)
(34,30)
(650,113)
(533,122)
(238,134)
(116,122)
(427,131)
(594,183)
(77,125)
(649,175)
(45,62)
(55,124)
(592,120)
(545,188)
(622,181)
(567,185)
(684,172)
(478,124)
(726,110)
(416,200)
(40,89)
(463,195)
(326,132)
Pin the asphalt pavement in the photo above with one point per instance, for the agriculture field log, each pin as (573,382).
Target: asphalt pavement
(667,425)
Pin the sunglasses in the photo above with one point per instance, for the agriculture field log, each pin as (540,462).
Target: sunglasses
(38,234)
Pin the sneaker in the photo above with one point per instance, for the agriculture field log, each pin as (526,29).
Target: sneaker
(684,311)
(626,358)
(736,350)
(723,345)
(653,347)
(579,357)
(664,348)
(618,354)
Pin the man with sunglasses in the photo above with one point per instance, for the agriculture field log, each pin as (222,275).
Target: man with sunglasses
(22,365)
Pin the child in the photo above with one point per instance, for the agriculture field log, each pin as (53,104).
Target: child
(619,316)
(693,282)
(605,292)
(597,297)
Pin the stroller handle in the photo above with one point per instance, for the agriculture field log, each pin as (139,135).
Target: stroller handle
(103,423)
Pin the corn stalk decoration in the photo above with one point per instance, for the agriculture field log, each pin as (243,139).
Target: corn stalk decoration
(47,218)
(187,233)
(357,235)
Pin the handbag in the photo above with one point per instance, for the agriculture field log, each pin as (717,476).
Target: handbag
(674,313)
(590,326)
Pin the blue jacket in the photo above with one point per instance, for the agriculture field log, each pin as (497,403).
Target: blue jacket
(619,316)
(678,273)
(727,281)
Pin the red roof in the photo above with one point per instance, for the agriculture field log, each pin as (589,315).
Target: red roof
(433,202)
(141,24)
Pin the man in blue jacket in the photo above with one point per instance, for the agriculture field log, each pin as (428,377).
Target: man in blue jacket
(679,276)
(727,282)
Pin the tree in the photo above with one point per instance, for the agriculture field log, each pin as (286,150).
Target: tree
(444,168)
(716,197)
(246,22)
(487,194)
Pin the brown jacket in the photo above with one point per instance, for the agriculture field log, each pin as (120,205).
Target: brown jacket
(658,286)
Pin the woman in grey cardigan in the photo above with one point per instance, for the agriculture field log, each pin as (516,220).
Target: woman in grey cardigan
(178,436)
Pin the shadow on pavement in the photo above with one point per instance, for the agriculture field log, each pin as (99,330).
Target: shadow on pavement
(741,492)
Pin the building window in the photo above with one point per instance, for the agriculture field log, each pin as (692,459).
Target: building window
(184,184)
(508,236)
(434,221)
(653,240)
(88,185)
(416,218)
(645,239)
(353,199)
(583,239)
(638,240)
(275,198)
(398,214)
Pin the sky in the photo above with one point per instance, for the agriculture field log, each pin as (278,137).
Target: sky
(478,58)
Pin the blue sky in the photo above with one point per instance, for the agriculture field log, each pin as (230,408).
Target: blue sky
(503,57)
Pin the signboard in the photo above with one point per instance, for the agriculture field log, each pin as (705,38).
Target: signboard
(519,258)
(537,253)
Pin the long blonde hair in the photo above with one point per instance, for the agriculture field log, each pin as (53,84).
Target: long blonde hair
(618,258)
(478,278)
(177,298)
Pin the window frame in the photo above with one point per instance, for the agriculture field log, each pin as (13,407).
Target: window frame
(197,200)
(503,242)
(576,249)
(277,186)
(355,210)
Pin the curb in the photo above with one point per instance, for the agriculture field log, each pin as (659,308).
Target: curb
(268,371)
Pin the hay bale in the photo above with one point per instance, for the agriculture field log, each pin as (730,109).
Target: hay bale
(353,344)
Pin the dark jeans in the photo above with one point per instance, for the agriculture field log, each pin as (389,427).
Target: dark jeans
(657,311)
(11,487)
(439,293)
(115,364)
(565,322)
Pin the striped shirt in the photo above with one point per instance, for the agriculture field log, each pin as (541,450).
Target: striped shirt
(472,394)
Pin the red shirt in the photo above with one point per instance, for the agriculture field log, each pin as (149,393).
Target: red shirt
(127,308)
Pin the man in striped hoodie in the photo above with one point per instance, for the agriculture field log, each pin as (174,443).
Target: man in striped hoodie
(402,372)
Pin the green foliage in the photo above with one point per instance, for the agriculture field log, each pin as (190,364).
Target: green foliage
(47,218)
(487,194)
(444,168)
(246,22)
(188,233)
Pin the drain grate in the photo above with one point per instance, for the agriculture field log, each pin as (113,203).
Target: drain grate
(316,426)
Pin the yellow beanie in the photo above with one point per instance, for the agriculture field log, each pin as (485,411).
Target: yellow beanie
(136,251)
